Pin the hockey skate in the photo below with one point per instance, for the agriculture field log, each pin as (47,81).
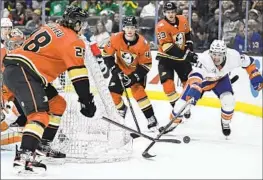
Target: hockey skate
(225,127)
(152,124)
(187,114)
(25,163)
(46,153)
(123,111)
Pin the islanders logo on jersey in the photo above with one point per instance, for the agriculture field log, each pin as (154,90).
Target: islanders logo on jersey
(128,58)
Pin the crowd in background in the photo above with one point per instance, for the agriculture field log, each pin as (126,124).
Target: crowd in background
(105,16)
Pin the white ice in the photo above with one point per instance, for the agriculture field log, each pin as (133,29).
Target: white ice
(208,155)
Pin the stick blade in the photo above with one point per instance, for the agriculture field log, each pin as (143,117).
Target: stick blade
(134,136)
(147,155)
(176,141)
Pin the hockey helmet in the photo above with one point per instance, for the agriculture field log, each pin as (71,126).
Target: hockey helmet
(72,16)
(218,51)
(129,21)
(168,6)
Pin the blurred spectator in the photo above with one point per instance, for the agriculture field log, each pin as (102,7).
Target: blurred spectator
(255,15)
(148,10)
(197,23)
(28,14)
(181,5)
(94,8)
(57,7)
(10,5)
(254,38)
(185,13)
(29,3)
(18,15)
(101,36)
(228,5)
(106,20)
(5,13)
(110,6)
(231,26)
(200,40)
(239,42)
(116,23)
(258,5)
(80,3)
(129,8)
(35,23)
(212,27)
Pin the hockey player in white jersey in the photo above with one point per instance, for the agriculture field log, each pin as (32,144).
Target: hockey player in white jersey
(211,73)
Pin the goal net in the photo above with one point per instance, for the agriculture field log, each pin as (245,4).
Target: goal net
(91,140)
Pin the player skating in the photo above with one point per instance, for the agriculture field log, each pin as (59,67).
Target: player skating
(212,73)
(175,52)
(42,58)
(133,62)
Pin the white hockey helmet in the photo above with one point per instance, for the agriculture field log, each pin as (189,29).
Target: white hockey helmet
(6,27)
(6,22)
(218,51)
(15,39)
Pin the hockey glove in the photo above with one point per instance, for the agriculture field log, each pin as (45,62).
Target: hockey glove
(191,57)
(130,80)
(115,70)
(195,92)
(256,80)
(88,107)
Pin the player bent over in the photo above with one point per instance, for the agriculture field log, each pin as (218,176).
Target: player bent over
(29,69)
(211,73)
(13,116)
(133,62)
(175,52)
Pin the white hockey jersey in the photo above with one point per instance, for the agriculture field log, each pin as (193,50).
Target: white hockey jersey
(208,70)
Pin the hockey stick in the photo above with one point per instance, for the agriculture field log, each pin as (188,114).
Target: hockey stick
(139,133)
(146,154)
(130,105)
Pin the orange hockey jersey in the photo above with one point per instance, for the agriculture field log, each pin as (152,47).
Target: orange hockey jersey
(50,51)
(169,35)
(129,57)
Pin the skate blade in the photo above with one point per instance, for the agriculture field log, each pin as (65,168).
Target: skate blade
(51,161)
(20,171)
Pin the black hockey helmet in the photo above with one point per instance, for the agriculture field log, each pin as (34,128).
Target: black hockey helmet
(129,21)
(72,16)
(169,6)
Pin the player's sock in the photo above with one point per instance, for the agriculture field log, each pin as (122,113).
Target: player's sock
(25,163)
(44,148)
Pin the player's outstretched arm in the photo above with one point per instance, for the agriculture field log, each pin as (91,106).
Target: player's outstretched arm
(254,75)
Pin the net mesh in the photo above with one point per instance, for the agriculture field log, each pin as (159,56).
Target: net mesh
(91,139)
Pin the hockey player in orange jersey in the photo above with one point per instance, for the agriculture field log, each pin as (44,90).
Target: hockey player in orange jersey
(9,112)
(47,53)
(175,52)
(133,62)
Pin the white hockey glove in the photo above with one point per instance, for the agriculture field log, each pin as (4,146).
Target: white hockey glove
(9,113)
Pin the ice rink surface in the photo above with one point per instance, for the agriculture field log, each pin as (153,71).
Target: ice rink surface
(208,155)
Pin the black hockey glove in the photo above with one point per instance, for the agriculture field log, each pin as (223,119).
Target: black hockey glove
(191,57)
(115,70)
(130,80)
(88,108)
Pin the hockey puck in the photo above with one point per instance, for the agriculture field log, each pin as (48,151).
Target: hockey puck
(186,139)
